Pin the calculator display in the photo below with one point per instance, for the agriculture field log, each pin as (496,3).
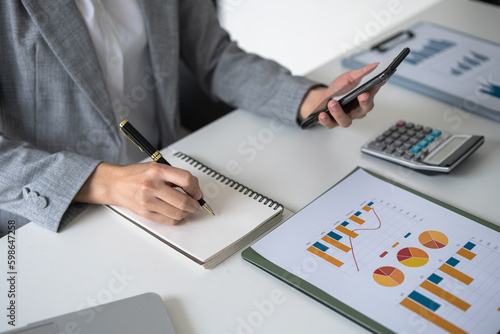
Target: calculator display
(446,150)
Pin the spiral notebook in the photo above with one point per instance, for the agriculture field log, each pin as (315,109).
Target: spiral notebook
(241,216)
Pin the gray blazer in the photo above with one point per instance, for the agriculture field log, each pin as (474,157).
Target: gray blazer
(56,120)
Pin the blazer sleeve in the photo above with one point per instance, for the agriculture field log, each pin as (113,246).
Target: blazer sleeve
(41,186)
(240,79)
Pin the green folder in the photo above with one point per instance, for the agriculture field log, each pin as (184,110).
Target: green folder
(325,298)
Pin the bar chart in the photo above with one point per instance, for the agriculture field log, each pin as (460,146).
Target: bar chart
(462,291)
(430,49)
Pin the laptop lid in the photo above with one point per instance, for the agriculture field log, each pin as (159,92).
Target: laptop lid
(144,313)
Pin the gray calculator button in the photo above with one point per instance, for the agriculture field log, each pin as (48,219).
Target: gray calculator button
(408,155)
(390,150)
(377,146)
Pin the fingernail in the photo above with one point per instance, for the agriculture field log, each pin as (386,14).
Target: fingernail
(198,195)
(334,106)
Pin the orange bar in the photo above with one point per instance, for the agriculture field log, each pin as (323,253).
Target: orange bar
(367,208)
(335,243)
(454,300)
(432,317)
(350,233)
(325,256)
(457,274)
(397,243)
(466,253)
(356,219)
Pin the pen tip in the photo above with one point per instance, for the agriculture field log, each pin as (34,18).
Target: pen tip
(208,208)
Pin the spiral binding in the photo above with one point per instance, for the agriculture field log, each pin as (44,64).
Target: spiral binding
(229,182)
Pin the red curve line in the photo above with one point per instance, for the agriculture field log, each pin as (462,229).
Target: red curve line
(363,229)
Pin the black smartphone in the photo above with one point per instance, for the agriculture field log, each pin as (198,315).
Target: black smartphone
(349,101)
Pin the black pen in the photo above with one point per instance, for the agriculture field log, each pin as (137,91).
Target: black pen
(131,133)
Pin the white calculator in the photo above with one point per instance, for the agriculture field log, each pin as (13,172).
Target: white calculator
(421,147)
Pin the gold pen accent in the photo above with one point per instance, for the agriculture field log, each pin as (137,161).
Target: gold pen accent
(157,155)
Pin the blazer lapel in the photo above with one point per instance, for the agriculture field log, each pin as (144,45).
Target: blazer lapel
(64,30)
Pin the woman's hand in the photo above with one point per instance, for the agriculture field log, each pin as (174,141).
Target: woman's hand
(341,85)
(147,189)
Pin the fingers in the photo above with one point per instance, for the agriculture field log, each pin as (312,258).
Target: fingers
(154,193)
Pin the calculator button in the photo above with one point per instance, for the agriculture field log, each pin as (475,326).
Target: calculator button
(393,128)
(410,133)
(377,146)
(418,127)
(387,133)
(427,129)
(402,130)
(416,149)
(408,155)
(436,133)
(413,141)
(400,123)
(399,152)
(380,138)
(404,138)
(395,135)
(409,125)
(420,135)
(397,143)
(423,143)
(390,150)
(388,141)
(406,146)
(430,138)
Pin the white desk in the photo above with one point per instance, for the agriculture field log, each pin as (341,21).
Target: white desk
(100,257)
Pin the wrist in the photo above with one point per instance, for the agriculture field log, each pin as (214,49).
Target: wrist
(312,99)
(98,189)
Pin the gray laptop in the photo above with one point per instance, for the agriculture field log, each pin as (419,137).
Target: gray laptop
(139,314)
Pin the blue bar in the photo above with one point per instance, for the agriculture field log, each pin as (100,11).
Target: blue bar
(411,61)
(437,44)
(370,204)
(435,278)
(424,301)
(479,56)
(420,55)
(462,66)
(429,48)
(334,235)
(471,61)
(320,246)
(344,224)
(407,235)
(469,245)
(452,261)
(357,214)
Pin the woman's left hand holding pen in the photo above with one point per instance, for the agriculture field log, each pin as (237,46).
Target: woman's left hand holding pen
(147,189)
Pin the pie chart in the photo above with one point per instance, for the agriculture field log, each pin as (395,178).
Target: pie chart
(412,257)
(433,239)
(388,276)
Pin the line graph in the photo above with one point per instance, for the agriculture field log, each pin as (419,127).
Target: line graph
(364,229)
